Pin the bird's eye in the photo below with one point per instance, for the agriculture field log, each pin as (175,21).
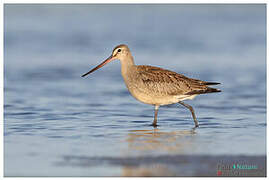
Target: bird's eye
(119,50)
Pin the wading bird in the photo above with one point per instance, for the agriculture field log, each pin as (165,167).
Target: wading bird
(154,85)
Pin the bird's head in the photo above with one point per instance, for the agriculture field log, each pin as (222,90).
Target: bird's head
(120,52)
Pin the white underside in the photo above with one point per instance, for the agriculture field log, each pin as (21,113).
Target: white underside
(163,100)
(176,99)
(185,97)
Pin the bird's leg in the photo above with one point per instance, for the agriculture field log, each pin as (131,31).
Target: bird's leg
(155,116)
(192,112)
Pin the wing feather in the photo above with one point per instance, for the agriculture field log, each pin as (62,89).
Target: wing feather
(165,82)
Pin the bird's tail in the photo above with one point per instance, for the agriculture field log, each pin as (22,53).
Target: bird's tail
(204,91)
(211,83)
(212,90)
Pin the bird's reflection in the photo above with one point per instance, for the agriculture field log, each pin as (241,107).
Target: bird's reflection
(156,140)
(154,143)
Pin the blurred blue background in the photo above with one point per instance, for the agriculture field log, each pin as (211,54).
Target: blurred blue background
(51,113)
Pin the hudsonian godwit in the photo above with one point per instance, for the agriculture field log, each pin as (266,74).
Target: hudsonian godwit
(154,85)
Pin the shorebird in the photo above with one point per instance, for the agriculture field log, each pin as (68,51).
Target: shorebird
(154,85)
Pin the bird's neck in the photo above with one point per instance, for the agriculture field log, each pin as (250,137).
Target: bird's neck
(126,65)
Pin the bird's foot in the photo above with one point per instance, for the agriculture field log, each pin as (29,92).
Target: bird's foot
(196,126)
(154,125)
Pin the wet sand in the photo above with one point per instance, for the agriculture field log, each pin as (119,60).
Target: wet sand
(175,165)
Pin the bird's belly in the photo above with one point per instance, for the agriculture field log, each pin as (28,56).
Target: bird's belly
(155,99)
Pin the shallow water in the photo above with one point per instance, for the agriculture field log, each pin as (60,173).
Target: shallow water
(52,115)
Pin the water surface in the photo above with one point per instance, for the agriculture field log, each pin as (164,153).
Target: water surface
(59,124)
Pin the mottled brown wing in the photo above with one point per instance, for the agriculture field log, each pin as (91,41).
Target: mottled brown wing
(165,82)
